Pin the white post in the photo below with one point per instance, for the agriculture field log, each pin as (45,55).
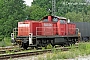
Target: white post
(12,36)
(30,38)
(68,20)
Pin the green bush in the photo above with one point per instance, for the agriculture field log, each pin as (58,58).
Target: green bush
(6,41)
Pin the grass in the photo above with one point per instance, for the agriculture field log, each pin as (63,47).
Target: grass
(6,41)
(82,50)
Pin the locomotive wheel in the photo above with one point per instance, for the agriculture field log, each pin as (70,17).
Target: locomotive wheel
(25,46)
(53,45)
(68,43)
(46,46)
(74,42)
(36,47)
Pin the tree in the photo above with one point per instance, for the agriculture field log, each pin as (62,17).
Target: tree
(36,12)
(11,11)
(74,17)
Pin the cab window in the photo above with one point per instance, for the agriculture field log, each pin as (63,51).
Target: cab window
(55,19)
(45,20)
(62,21)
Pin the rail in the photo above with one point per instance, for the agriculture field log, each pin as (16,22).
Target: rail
(31,53)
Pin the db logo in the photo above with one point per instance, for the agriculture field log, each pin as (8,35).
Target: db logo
(48,24)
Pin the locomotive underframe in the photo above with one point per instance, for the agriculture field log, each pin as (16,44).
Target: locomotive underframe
(42,41)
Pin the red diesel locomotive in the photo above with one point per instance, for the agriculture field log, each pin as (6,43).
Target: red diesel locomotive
(52,30)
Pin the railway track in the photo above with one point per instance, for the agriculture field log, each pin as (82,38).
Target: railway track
(30,53)
(8,47)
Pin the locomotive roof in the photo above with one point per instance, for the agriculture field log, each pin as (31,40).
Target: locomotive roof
(60,17)
(55,17)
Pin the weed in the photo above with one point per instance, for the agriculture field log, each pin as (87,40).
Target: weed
(10,58)
(82,50)
(43,48)
(8,52)
(49,46)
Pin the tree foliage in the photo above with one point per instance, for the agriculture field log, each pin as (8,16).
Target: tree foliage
(11,11)
(77,17)
(36,12)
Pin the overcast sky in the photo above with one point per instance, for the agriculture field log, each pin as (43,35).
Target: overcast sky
(28,2)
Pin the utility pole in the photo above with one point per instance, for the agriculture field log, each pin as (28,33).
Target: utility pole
(53,7)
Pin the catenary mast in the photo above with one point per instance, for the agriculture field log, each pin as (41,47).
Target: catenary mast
(53,7)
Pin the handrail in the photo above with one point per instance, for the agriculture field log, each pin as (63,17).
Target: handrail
(44,29)
(15,31)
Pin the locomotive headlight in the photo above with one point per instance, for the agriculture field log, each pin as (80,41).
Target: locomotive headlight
(30,38)
(12,38)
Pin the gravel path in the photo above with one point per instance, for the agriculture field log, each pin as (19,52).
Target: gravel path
(81,58)
(38,57)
